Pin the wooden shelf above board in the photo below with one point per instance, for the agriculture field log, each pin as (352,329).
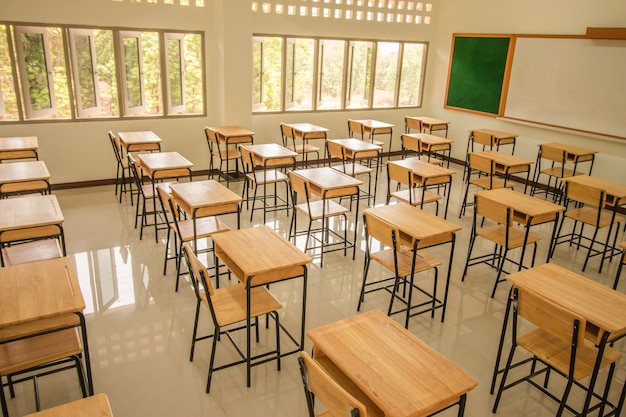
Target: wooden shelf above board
(606,33)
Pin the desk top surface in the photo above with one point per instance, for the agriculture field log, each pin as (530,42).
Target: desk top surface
(93,406)
(355,144)
(257,251)
(600,305)
(374,124)
(163,160)
(429,139)
(231,131)
(523,203)
(399,372)
(23,171)
(19,143)
(205,193)
(429,120)
(328,178)
(38,290)
(423,168)
(506,159)
(306,127)
(413,221)
(138,137)
(570,149)
(270,150)
(22,212)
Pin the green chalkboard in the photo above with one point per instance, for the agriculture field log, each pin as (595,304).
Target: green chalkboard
(477,73)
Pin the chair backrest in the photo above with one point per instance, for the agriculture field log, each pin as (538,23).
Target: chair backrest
(355,127)
(478,162)
(493,210)
(549,316)
(211,136)
(116,147)
(400,174)
(552,153)
(317,383)
(199,273)
(482,138)
(384,232)
(246,158)
(585,194)
(134,172)
(335,150)
(299,186)
(412,123)
(412,143)
(286,132)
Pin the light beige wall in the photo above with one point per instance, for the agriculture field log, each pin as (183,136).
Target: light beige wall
(80,152)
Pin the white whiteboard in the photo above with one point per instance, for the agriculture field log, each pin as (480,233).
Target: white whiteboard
(572,83)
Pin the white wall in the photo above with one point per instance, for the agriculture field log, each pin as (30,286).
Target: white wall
(80,151)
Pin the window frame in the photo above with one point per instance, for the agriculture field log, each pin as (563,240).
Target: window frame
(171,108)
(81,111)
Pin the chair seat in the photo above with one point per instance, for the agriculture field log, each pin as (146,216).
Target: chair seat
(556,172)
(352,169)
(423,261)
(303,148)
(497,234)
(491,184)
(317,209)
(229,303)
(38,250)
(556,352)
(205,227)
(35,351)
(38,326)
(589,215)
(24,186)
(267,176)
(414,196)
(227,154)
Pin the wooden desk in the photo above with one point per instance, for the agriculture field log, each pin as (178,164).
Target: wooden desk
(232,135)
(259,256)
(575,154)
(94,406)
(37,291)
(509,164)
(400,373)
(497,138)
(139,141)
(426,175)
(19,147)
(269,156)
(374,127)
(306,131)
(527,210)
(164,165)
(30,218)
(428,124)
(24,177)
(354,150)
(430,144)
(602,307)
(428,229)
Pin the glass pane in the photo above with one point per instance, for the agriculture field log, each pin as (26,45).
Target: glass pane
(386,74)
(331,74)
(175,72)
(193,73)
(151,72)
(107,81)
(270,74)
(411,76)
(257,69)
(360,75)
(133,77)
(8,103)
(86,85)
(300,74)
(36,71)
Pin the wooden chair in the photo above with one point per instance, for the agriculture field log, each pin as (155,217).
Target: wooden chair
(589,210)
(328,239)
(355,129)
(504,235)
(351,167)
(123,169)
(222,153)
(557,342)
(94,406)
(481,173)
(622,261)
(411,123)
(227,306)
(187,230)
(305,148)
(414,194)
(556,158)
(33,357)
(318,384)
(262,177)
(404,262)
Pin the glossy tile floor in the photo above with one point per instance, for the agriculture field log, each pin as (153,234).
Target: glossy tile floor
(140,329)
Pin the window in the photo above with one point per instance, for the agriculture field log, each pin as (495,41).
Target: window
(76,73)
(343,74)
